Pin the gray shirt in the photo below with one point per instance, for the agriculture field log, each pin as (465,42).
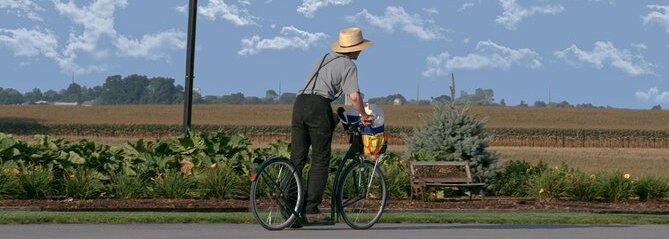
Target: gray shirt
(338,74)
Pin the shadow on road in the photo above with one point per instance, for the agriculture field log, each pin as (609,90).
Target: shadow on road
(390,227)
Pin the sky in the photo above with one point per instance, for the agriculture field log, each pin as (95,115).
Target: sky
(604,52)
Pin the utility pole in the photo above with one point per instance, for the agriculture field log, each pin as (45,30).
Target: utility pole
(190,65)
(418,92)
(549,97)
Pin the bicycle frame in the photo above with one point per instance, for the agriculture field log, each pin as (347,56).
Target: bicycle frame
(353,153)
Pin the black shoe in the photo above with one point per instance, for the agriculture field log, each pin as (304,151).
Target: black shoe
(296,225)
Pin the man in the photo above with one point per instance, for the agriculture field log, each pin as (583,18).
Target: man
(313,120)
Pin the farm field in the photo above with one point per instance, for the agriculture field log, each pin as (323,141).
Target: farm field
(638,161)
(397,116)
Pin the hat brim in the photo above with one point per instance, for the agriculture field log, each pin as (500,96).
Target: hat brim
(364,45)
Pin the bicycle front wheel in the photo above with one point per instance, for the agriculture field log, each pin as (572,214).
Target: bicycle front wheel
(276,194)
(361,194)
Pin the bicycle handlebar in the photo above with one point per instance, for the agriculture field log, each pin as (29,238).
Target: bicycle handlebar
(355,125)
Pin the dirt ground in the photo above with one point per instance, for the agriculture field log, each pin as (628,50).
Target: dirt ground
(449,204)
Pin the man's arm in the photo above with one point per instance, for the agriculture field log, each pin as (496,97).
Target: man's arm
(358,105)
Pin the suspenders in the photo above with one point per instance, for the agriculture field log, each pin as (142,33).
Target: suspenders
(315,76)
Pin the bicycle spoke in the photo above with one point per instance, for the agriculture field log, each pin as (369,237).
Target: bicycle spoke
(361,194)
(275,194)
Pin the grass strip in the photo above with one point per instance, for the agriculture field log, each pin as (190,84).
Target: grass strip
(39,217)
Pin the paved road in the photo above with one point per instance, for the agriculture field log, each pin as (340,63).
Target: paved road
(380,231)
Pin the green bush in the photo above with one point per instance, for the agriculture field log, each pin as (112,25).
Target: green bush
(220,181)
(396,172)
(9,184)
(552,184)
(35,182)
(513,178)
(583,187)
(615,186)
(126,186)
(83,183)
(652,188)
(174,185)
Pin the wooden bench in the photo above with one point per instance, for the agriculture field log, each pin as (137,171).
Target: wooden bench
(440,174)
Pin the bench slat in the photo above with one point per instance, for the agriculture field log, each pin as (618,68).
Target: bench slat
(445,180)
(456,184)
(418,181)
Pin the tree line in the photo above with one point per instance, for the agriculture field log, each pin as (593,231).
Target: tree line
(140,89)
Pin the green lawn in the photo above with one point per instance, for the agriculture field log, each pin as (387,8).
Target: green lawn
(36,217)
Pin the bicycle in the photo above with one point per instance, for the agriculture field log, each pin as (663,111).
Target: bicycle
(358,196)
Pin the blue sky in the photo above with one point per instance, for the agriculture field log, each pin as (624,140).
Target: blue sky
(604,52)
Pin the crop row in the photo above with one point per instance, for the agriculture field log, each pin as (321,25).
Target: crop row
(533,137)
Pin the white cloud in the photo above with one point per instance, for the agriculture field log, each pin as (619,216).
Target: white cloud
(292,38)
(230,12)
(468,4)
(653,94)
(309,7)
(33,43)
(605,53)
(152,47)
(430,10)
(514,13)
(97,20)
(659,16)
(488,55)
(97,23)
(29,43)
(396,17)
(23,8)
(640,46)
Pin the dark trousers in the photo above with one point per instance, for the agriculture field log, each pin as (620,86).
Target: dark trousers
(312,125)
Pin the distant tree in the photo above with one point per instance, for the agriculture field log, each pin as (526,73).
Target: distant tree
(92,93)
(522,104)
(502,102)
(586,105)
(51,95)
(393,97)
(252,100)
(483,96)
(540,103)
(233,99)
(162,91)
(480,97)
(211,99)
(72,93)
(270,97)
(442,99)
(10,96)
(657,107)
(114,91)
(564,104)
(386,100)
(34,95)
(287,98)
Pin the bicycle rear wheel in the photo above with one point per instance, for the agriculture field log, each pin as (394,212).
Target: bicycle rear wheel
(276,194)
(361,194)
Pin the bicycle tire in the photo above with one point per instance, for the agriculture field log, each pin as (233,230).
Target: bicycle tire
(361,198)
(276,194)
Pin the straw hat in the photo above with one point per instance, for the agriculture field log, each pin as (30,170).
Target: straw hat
(350,40)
